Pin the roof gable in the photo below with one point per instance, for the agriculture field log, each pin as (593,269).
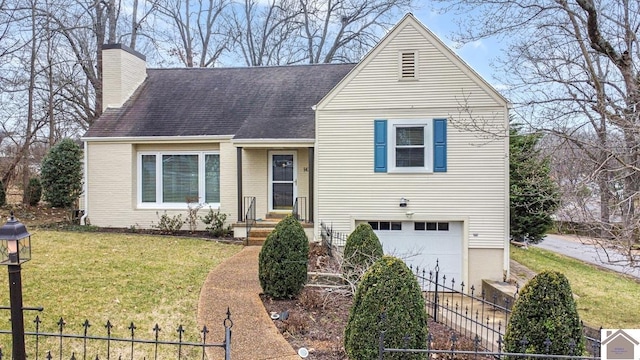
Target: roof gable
(248,103)
(373,62)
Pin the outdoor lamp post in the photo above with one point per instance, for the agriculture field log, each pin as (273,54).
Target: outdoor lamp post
(15,249)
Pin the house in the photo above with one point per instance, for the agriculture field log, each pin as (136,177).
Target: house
(619,344)
(410,140)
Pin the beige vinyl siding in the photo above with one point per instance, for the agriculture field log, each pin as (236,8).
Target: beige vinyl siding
(443,80)
(112,177)
(473,187)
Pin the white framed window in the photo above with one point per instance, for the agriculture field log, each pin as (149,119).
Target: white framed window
(410,146)
(431,226)
(168,179)
(386,225)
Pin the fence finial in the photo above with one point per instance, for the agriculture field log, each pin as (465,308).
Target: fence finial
(228,323)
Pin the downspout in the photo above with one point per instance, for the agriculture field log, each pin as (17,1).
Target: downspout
(507,216)
(83,219)
(239,184)
(311,179)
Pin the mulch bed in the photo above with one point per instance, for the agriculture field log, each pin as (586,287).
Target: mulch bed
(317,318)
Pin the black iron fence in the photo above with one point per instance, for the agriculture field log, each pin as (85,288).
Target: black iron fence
(468,312)
(63,345)
(332,240)
(473,314)
(476,351)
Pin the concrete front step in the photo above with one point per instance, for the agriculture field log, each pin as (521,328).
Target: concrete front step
(262,228)
(254,241)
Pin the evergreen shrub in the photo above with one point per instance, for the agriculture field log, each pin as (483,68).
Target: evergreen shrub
(3,195)
(545,309)
(387,299)
(61,174)
(282,267)
(362,249)
(34,191)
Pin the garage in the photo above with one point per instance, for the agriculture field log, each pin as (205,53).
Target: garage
(421,243)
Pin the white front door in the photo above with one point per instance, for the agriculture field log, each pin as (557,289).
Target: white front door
(282,180)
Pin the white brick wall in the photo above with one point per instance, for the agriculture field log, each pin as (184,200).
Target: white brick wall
(122,73)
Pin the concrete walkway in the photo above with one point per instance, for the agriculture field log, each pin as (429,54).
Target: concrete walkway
(234,284)
(584,250)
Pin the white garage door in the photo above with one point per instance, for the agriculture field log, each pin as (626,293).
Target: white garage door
(421,244)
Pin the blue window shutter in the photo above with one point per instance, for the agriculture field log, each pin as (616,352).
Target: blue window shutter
(380,145)
(439,145)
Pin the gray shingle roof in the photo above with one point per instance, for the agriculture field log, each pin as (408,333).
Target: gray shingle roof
(250,103)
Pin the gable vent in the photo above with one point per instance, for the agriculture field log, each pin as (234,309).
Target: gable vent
(408,65)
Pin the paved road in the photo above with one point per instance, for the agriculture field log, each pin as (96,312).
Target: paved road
(585,252)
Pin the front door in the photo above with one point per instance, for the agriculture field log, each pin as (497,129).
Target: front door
(282,180)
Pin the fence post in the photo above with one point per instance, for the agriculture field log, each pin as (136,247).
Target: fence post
(381,345)
(228,324)
(436,298)
(331,240)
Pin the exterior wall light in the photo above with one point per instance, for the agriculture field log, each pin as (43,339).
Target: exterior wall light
(403,202)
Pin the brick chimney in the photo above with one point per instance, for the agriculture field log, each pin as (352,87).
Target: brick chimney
(123,70)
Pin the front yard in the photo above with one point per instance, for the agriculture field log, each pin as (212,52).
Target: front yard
(123,278)
(604,298)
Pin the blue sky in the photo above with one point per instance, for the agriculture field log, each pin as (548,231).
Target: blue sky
(478,54)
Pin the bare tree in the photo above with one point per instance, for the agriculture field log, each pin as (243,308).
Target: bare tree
(572,67)
(198,35)
(264,34)
(343,31)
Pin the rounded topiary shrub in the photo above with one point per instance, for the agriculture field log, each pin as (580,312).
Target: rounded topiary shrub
(545,309)
(34,191)
(388,288)
(362,249)
(282,267)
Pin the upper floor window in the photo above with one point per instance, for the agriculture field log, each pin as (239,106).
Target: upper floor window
(410,146)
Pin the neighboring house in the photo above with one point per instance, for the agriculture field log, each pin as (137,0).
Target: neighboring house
(410,140)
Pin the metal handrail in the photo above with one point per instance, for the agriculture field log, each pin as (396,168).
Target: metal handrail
(301,202)
(250,213)
(295,213)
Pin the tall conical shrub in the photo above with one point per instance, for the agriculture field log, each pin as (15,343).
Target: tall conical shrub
(545,309)
(282,267)
(362,249)
(387,299)
(34,191)
(3,195)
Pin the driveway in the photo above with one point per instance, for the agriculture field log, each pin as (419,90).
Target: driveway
(572,246)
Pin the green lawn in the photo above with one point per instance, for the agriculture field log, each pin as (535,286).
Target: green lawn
(604,298)
(123,278)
